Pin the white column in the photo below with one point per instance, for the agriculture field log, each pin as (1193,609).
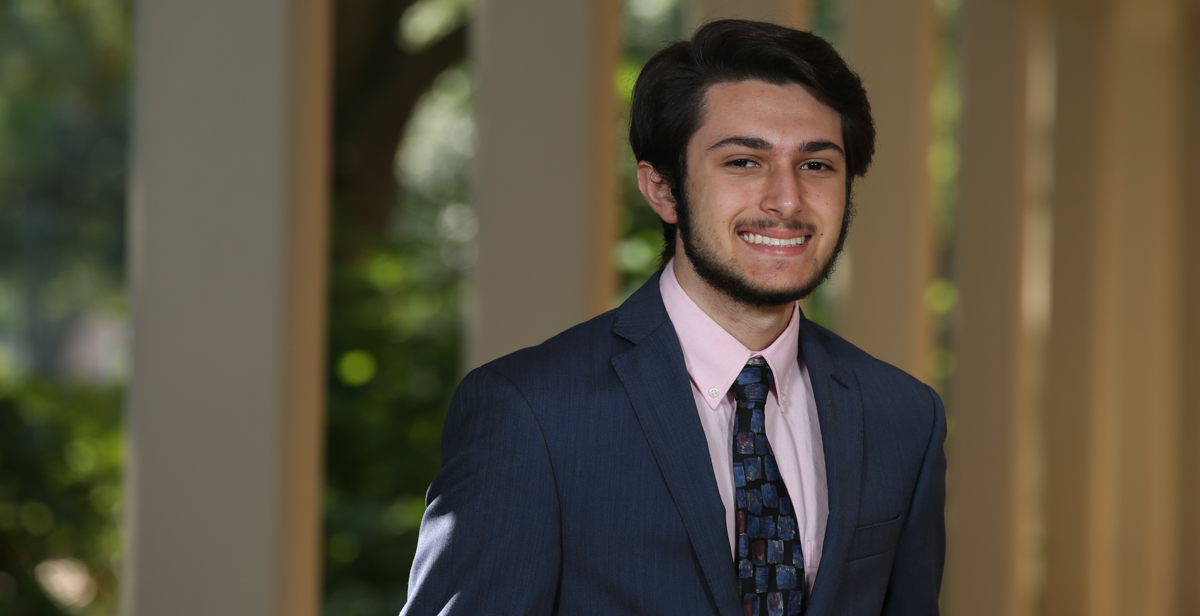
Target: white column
(228,209)
(545,178)
(890,43)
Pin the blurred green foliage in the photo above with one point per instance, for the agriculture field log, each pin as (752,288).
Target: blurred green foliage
(395,340)
(63,124)
(63,131)
(60,472)
(944,107)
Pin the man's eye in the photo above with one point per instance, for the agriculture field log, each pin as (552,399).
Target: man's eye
(741,163)
(813,165)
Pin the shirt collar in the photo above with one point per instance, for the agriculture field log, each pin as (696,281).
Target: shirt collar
(714,358)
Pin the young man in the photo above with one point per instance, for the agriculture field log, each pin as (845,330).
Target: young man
(703,449)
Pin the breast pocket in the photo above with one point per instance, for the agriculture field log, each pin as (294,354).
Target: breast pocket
(874,539)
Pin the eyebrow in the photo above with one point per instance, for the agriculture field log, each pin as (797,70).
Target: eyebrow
(753,143)
(757,143)
(821,146)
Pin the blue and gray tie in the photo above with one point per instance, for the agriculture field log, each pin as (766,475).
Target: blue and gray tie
(770,561)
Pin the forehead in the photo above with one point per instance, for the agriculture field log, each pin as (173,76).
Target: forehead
(781,114)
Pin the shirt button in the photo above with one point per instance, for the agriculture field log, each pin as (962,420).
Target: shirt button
(783,398)
(714,392)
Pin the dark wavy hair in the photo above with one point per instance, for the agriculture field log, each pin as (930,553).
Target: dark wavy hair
(669,94)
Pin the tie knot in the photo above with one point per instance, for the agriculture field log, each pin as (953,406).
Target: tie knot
(754,381)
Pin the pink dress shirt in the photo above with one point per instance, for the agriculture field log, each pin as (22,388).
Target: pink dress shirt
(714,358)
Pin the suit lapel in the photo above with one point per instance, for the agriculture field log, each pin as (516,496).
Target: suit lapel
(655,378)
(839,409)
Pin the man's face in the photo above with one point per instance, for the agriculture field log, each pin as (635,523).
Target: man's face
(765,194)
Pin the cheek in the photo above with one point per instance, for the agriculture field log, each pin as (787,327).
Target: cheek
(829,206)
(717,209)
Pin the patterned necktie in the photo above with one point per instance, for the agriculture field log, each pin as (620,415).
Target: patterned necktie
(770,561)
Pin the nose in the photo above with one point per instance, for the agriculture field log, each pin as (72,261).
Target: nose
(783,195)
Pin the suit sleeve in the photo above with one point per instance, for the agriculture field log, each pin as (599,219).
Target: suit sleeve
(916,579)
(490,539)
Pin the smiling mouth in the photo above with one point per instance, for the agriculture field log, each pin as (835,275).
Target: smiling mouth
(754,238)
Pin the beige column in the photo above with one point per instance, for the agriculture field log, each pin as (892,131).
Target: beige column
(1143,113)
(545,178)
(1189,544)
(1001,271)
(793,13)
(1073,402)
(228,209)
(891,45)
(1114,396)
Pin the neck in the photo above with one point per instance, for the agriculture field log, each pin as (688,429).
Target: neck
(756,327)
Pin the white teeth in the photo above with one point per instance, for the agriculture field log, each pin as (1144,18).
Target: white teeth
(755,238)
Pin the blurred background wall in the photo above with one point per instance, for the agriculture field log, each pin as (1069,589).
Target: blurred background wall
(337,207)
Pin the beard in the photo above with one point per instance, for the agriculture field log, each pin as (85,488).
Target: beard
(725,277)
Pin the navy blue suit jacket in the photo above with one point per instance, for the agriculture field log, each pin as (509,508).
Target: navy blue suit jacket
(576,480)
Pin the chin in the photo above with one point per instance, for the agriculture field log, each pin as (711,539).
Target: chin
(729,278)
(745,291)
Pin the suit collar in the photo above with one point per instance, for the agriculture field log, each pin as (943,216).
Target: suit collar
(642,313)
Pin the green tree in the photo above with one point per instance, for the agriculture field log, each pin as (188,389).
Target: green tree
(60,471)
(402,235)
(63,126)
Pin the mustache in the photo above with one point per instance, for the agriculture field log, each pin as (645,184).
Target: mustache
(763,224)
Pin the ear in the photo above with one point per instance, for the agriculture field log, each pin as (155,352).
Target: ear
(657,193)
